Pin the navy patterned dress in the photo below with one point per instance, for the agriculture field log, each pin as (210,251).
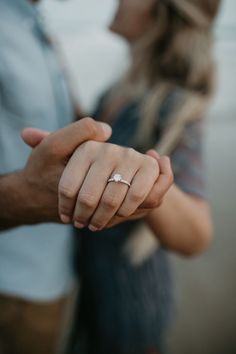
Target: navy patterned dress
(125,309)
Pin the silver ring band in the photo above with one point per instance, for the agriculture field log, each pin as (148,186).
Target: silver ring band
(117,178)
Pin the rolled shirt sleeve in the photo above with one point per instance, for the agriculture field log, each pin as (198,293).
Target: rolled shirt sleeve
(188,160)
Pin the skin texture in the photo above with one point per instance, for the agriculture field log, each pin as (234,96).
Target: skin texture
(99,204)
(96,203)
(31,195)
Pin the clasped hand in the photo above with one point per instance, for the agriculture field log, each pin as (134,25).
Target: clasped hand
(85,198)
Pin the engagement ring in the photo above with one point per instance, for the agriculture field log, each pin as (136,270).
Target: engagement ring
(117,178)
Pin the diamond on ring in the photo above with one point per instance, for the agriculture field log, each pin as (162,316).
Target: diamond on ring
(117,178)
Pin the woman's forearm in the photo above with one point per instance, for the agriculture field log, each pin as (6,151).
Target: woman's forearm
(182,223)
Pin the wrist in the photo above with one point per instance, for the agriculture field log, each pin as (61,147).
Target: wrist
(38,199)
(11,202)
(22,203)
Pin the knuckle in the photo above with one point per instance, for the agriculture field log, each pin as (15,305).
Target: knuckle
(89,126)
(87,200)
(53,148)
(132,155)
(109,202)
(112,153)
(90,146)
(152,162)
(136,196)
(66,192)
(130,152)
(112,150)
(124,213)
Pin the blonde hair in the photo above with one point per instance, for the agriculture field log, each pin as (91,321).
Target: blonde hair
(176,53)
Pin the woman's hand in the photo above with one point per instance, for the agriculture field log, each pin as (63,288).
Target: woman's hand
(155,198)
(87,199)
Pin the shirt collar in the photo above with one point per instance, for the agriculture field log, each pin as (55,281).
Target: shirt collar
(28,14)
(24,7)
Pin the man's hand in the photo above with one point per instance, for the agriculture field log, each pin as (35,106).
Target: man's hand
(31,195)
(154,198)
(48,160)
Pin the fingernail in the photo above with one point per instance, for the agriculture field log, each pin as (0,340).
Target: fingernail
(92,228)
(78,225)
(65,219)
(107,129)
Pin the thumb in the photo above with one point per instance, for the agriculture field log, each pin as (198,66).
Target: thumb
(73,135)
(33,136)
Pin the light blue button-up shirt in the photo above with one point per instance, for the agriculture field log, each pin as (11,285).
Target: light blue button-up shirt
(35,261)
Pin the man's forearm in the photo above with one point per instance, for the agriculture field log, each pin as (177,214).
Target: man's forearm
(13,201)
(18,204)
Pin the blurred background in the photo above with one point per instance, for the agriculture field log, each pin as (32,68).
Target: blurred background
(205,286)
